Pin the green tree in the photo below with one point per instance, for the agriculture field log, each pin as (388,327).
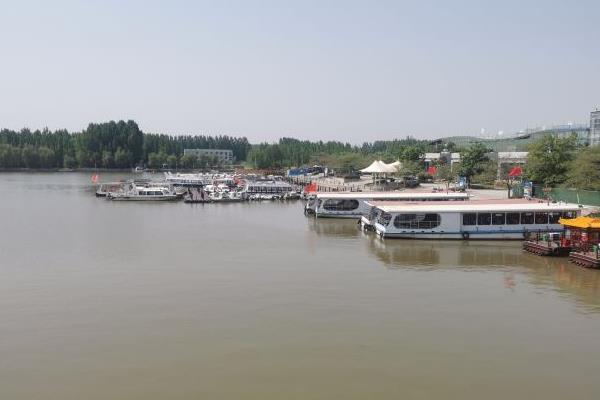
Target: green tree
(69,161)
(445,174)
(172,161)
(584,173)
(46,157)
(412,152)
(549,159)
(411,168)
(122,158)
(472,160)
(30,157)
(108,159)
(189,161)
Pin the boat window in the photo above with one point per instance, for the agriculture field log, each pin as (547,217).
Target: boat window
(141,193)
(384,218)
(541,218)
(469,219)
(484,218)
(569,214)
(526,218)
(513,218)
(553,217)
(340,205)
(498,218)
(417,221)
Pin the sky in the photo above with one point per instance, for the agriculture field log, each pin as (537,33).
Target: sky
(331,70)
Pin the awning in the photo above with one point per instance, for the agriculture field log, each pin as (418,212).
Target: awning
(581,222)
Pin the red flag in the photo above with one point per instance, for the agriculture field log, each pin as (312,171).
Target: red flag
(95,178)
(516,171)
(432,170)
(311,188)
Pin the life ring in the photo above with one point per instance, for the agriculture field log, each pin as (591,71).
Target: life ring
(465,235)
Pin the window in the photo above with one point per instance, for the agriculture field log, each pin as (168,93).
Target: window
(513,218)
(384,218)
(553,217)
(498,218)
(569,214)
(417,221)
(527,218)
(340,205)
(484,218)
(541,218)
(469,219)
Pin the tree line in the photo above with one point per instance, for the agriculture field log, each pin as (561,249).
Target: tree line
(107,145)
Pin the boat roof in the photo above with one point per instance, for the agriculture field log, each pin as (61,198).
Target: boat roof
(581,222)
(393,195)
(499,205)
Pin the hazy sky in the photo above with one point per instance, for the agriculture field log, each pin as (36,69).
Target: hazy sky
(341,70)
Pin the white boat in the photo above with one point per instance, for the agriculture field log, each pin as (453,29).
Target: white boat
(353,205)
(180,179)
(476,219)
(143,193)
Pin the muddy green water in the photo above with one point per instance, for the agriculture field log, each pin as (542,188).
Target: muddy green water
(107,300)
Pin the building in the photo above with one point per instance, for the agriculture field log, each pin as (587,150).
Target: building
(595,128)
(222,154)
(520,141)
(445,157)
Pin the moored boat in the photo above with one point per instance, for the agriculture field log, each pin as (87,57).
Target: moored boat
(144,193)
(476,219)
(354,205)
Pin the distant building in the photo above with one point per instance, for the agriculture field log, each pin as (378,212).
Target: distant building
(521,140)
(445,157)
(222,154)
(595,128)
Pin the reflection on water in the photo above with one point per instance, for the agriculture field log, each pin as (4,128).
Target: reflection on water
(581,284)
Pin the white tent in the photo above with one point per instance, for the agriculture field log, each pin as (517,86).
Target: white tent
(379,167)
(376,167)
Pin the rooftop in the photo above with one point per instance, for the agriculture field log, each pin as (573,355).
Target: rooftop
(473,206)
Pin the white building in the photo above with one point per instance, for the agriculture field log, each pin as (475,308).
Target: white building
(595,128)
(222,154)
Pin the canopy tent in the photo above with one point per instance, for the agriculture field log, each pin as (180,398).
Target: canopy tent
(379,167)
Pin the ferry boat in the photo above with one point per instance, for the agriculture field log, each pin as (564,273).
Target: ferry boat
(354,205)
(477,219)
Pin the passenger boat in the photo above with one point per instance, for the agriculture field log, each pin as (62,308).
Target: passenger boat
(477,219)
(143,193)
(353,205)
(180,179)
(268,187)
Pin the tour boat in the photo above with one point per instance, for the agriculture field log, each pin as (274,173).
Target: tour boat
(353,205)
(476,219)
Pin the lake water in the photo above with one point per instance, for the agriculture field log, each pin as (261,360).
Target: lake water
(118,300)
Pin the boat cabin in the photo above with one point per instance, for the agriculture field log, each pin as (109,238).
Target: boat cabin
(476,219)
(353,205)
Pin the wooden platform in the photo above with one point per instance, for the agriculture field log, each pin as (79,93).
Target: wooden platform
(585,259)
(544,248)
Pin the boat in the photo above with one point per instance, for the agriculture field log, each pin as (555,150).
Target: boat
(143,193)
(104,189)
(476,219)
(354,205)
(180,179)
